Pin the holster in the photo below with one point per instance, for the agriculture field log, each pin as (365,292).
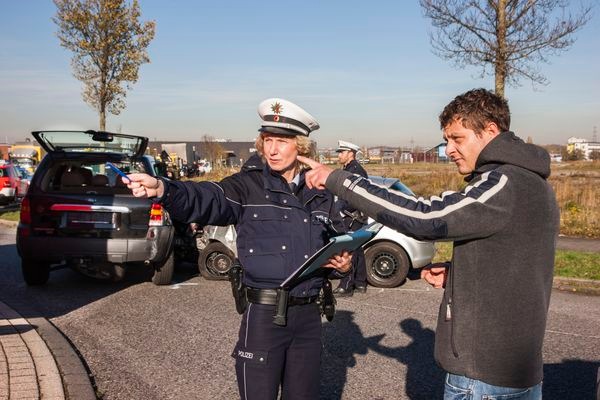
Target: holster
(280,317)
(237,287)
(327,301)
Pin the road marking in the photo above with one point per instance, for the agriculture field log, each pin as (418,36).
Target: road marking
(572,334)
(179,285)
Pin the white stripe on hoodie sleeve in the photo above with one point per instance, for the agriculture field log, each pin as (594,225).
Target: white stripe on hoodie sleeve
(478,210)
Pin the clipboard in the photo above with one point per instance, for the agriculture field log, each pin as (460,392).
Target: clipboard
(349,241)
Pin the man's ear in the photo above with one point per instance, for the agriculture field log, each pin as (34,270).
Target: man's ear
(491,129)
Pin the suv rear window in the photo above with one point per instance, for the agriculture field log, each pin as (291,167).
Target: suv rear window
(89,178)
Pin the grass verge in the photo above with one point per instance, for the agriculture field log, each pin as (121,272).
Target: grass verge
(10,215)
(567,264)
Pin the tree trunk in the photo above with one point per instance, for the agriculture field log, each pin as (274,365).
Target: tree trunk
(500,64)
(102,120)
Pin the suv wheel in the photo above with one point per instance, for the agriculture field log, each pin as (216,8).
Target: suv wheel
(35,273)
(164,273)
(215,261)
(387,265)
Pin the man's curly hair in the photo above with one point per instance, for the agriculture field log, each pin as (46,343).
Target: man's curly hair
(475,109)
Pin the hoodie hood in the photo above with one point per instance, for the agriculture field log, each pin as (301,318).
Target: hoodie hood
(507,148)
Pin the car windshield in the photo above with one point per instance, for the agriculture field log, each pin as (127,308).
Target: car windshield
(90,141)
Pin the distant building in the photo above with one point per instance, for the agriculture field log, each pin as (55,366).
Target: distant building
(229,153)
(390,155)
(433,155)
(383,155)
(555,157)
(585,146)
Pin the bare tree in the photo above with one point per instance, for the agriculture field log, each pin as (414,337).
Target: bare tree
(109,43)
(508,37)
(212,150)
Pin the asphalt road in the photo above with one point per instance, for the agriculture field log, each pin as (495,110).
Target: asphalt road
(146,342)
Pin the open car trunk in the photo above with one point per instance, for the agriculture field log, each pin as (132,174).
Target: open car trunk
(87,199)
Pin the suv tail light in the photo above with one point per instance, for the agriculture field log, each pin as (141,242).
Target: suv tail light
(157,215)
(25,215)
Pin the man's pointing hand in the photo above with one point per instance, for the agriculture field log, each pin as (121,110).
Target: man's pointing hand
(318,174)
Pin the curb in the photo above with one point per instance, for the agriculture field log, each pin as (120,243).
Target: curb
(12,224)
(60,372)
(75,377)
(583,286)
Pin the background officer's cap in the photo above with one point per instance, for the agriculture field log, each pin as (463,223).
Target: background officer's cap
(343,146)
(282,117)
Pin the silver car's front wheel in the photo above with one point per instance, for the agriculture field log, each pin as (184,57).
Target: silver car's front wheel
(215,261)
(387,265)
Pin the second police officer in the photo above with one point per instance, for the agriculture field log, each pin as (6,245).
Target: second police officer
(280,223)
(353,220)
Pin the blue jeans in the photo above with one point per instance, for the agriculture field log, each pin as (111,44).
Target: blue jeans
(462,388)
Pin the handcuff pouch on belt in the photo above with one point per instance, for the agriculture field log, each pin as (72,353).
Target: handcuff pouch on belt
(237,287)
(327,301)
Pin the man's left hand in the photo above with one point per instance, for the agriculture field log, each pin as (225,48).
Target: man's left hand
(436,274)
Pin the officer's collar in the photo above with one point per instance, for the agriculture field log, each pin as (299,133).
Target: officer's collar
(255,163)
(296,179)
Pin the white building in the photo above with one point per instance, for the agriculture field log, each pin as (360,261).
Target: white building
(586,146)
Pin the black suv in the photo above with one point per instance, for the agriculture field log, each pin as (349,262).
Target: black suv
(79,213)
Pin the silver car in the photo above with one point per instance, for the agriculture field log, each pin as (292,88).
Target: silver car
(389,256)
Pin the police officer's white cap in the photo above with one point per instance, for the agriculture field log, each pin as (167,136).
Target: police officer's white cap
(343,146)
(282,117)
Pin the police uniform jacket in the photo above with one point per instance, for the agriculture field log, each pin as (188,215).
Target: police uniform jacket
(276,230)
(354,167)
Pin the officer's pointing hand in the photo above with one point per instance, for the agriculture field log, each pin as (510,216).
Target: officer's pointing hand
(317,176)
(144,185)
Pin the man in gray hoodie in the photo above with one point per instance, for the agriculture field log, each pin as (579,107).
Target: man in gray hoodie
(503,225)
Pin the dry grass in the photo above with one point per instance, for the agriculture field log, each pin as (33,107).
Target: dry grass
(576,184)
(577,188)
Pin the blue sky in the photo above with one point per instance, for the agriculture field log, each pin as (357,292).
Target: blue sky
(365,70)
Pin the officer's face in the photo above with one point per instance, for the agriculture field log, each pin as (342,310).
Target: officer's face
(280,151)
(344,157)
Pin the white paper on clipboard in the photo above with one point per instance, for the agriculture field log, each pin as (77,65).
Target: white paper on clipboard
(337,244)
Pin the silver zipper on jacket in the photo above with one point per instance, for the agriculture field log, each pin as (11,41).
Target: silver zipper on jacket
(449,308)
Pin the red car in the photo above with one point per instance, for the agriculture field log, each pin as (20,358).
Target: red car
(9,183)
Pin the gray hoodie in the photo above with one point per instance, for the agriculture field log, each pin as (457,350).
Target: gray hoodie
(504,226)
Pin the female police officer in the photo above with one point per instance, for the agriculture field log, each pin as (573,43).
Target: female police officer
(279,224)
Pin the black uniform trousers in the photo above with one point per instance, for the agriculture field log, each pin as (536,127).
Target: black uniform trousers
(269,356)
